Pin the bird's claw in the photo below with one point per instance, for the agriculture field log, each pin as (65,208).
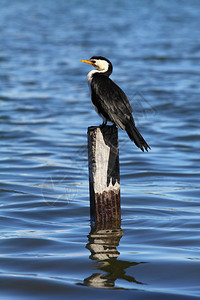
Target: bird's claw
(103,124)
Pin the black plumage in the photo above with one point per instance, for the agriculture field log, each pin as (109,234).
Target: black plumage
(110,101)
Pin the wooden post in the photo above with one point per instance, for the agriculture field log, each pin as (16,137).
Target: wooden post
(104,179)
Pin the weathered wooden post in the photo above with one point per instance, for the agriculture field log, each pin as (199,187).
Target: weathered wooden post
(104,179)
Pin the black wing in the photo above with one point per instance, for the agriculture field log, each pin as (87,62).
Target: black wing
(111,101)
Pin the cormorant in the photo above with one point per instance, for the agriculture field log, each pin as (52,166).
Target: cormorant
(110,102)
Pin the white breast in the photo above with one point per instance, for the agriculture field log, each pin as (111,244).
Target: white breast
(89,77)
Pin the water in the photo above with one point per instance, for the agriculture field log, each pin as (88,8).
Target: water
(46,239)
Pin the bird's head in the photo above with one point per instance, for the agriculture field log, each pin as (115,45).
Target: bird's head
(102,64)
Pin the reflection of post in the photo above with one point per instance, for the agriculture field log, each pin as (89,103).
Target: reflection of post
(103,159)
(103,242)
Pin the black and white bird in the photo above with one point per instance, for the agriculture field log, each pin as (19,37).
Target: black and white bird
(110,102)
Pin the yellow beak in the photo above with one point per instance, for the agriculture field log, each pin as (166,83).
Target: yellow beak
(87,62)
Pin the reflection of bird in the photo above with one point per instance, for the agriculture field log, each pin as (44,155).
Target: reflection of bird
(110,102)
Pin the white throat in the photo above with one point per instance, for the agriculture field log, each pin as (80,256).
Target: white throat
(90,74)
(101,67)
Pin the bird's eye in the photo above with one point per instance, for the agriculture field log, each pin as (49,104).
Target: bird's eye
(93,61)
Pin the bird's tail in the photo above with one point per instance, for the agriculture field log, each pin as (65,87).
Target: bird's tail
(136,137)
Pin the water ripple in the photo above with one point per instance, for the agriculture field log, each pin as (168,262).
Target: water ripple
(46,243)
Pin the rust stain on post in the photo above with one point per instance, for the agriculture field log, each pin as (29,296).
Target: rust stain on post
(107,206)
(104,178)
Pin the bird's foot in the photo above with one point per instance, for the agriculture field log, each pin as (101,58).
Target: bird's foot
(103,124)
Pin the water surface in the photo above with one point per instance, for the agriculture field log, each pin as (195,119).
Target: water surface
(47,247)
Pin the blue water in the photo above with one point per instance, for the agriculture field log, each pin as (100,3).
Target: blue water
(47,249)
